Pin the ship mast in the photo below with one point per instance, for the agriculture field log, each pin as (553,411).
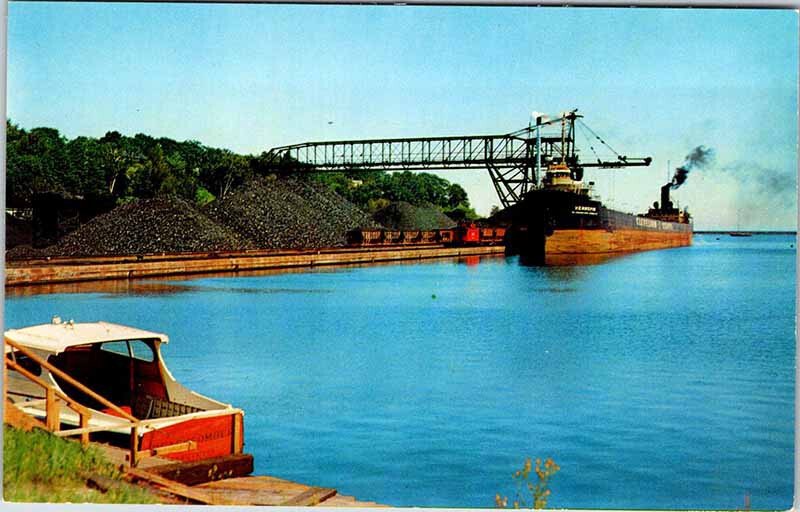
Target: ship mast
(538,147)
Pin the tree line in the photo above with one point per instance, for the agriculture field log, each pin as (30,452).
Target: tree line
(121,168)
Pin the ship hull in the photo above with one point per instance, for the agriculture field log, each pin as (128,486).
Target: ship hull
(595,241)
(556,229)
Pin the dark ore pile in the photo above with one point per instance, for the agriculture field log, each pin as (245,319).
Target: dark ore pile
(265,213)
(289,214)
(402,215)
(144,226)
(23,252)
(18,232)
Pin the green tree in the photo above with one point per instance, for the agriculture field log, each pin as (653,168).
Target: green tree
(223,171)
(87,161)
(456,195)
(36,162)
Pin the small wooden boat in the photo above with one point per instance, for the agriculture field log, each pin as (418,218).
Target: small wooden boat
(110,378)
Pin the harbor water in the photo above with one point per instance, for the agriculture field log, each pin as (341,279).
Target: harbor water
(657,380)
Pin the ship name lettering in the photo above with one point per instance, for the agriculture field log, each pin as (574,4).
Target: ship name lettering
(584,210)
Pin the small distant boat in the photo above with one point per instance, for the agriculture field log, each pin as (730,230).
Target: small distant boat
(111,378)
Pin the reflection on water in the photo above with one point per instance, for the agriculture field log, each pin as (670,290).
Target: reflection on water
(181,283)
(115,286)
(558,260)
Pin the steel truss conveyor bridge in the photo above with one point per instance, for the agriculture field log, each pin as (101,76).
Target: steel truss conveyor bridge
(512,159)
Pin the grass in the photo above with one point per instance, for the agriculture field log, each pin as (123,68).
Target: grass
(40,467)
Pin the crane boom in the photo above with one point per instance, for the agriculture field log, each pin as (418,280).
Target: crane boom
(510,158)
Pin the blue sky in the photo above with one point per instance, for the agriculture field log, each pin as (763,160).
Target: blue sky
(652,82)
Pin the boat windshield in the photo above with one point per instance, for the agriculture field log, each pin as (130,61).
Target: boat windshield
(137,349)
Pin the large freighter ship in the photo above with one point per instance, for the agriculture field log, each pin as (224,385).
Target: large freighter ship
(560,220)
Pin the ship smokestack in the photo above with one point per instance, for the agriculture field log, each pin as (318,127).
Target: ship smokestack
(666,204)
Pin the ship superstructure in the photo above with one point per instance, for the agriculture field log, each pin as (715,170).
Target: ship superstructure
(560,216)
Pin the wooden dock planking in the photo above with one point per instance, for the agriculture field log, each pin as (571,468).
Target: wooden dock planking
(311,497)
(184,491)
(206,470)
(350,502)
(229,488)
(265,490)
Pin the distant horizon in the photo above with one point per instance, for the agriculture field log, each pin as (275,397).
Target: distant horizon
(249,77)
(754,232)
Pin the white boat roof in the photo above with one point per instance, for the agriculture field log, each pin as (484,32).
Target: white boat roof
(56,337)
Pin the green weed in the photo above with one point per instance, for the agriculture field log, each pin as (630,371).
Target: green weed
(40,467)
(538,491)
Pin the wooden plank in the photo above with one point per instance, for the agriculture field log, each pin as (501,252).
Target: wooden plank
(309,498)
(255,483)
(176,488)
(84,424)
(238,439)
(170,448)
(52,411)
(254,490)
(18,419)
(206,470)
(79,431)
(88,430)
(134,446)
(349,502)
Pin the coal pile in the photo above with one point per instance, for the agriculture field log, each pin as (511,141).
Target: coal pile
(402,215)
(159,225)
(19,239)
(288,213)
(18,232)
(23,252)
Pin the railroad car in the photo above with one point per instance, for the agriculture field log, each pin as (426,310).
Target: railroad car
(430,236)
(467,234)
(463,234)
(392,236)
(358,237)
(446,236)
(493,236)
(411,237)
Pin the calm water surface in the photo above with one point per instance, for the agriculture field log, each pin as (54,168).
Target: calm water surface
(658,380)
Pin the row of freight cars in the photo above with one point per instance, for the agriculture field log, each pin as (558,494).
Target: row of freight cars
(463,234)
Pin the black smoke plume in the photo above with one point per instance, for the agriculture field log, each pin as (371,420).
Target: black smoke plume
(697,158)
(774,182)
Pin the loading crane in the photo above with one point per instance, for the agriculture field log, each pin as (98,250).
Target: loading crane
(514,160)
